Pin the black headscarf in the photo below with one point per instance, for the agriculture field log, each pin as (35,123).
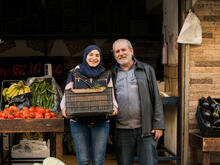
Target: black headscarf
(85,69)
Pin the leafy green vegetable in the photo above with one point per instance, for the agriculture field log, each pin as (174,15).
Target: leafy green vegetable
(96,86)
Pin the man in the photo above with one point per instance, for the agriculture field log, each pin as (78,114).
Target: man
(140,119)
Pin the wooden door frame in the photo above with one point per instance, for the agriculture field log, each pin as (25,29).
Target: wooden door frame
(184,51)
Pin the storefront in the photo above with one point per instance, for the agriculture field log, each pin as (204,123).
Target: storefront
(56,32)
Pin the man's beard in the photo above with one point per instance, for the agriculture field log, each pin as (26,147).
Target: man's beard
(125,61)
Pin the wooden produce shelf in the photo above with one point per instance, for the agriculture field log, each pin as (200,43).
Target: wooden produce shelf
(35,125)
(205,144)
(31,125)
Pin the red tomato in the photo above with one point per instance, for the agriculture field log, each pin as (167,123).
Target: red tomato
(26,114)
(5,115)
(32,115)
(39,115)
(1,113)
(12,107)
(25,108)
(52,114)
(6,110)
(47,115)
(31,109)
(54,117)
(21,114)
(17,114)
(1,117)
(12,111)
(47,110)
(36,108)
(10,117)
(41,110)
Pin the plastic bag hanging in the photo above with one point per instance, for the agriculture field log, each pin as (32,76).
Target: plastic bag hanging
(191,32)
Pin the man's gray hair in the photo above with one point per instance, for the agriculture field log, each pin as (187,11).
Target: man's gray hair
(122,40)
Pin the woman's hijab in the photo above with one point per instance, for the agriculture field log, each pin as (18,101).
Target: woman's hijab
(85,69)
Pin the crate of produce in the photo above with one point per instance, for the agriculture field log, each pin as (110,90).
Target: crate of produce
(206,126)
(89,102)
(4,85)
(46,92)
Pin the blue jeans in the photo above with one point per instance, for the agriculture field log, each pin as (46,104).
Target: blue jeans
(90,140)
(129,142)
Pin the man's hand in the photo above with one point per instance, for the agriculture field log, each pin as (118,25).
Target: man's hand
(157,133)
(115,111)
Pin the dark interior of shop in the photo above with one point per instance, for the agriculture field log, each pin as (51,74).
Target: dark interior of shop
(79,18)
(83,20)
(87,20)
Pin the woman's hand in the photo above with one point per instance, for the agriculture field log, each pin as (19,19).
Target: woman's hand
(115,111)
(64,113)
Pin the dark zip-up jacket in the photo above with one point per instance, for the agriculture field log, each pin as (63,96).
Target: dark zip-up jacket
(150,101)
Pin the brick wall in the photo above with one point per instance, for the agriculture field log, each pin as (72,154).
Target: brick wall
(204,60)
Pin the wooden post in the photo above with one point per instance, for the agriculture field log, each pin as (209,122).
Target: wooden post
(194,156)
(59,146)
(186,106)
(182,56)
(185,52)
(206,158)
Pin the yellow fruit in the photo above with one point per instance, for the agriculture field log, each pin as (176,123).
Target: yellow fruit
(4,91)
(21,91)
(13,93)
(27,89)
(11,88)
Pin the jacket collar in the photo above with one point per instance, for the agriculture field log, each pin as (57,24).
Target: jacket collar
(137,63)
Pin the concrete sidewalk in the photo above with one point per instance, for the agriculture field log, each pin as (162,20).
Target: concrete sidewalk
(110,160)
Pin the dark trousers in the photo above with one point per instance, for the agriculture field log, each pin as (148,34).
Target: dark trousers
(129,142)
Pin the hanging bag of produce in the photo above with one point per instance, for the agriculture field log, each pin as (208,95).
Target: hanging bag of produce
(191,32)
(46,92)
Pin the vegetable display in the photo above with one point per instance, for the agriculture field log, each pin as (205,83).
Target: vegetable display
(13,90)
(43,94)
(26,113)
(209,109)
(21,101)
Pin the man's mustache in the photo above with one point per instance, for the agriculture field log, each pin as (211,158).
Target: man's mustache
(122,56)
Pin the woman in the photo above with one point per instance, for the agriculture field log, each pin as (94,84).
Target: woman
(89,134)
